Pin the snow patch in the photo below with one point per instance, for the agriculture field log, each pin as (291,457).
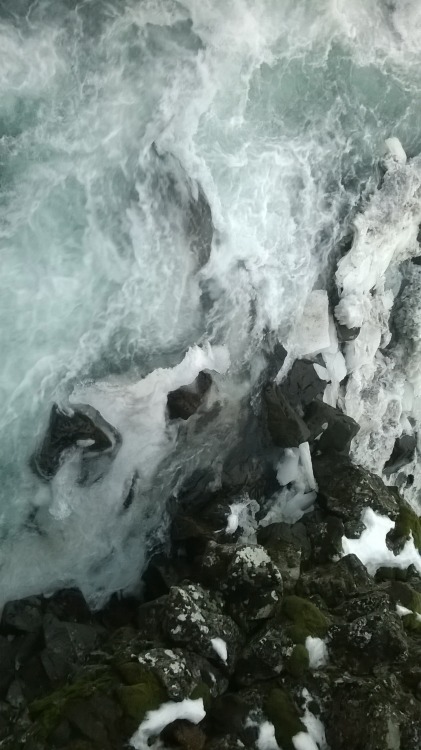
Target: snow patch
(156,721)
(220,648)
(371,546)
(317,652)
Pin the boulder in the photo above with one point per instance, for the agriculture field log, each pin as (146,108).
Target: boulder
(286,428)
(302,384)
(330,429)
(402,454)
(66,430)
(336,581)
(195,618)
(185,401)
(347,490)
(287,545)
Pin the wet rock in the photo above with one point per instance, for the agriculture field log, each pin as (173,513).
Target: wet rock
(66,644)
(24,615)
(185,401)
(286,428)
(402,454)
(346,334)
(407,526)
(185,735)
(287,545)
(195,618)
(302,384)
(331,430)
(7,665)
(349,490)
(336,581)
(69,605)
(404,595)
(66,430)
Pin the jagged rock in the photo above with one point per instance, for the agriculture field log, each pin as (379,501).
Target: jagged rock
(185,401)
(24,615)
(336,581)
(194,618)
(325,533)
(348,490)
(247,577)
(286,428)
(7,665)
(65,430)
(66,643)
(402,454)
(287,545)
(372,714)
(302,384)
(183,673)
(264,657)
(374,639)
(331,430)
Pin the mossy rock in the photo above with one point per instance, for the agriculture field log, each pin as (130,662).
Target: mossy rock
(131,672)
(137,700)
(202,691)
(306,619)
(298,662)
(407,523)
(283,713)
(46,713)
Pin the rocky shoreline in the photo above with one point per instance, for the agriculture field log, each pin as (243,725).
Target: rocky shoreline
(279,638)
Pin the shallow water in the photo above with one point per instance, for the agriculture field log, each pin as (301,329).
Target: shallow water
(115,117)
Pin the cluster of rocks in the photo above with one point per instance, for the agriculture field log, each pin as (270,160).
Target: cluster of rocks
(270,627)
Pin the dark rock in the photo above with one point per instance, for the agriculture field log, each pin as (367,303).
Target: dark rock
(349,490)
(66,644)
(247,577)
(286,428)
(65,430)
(302,384)
(182,672)
(264,657)
(336,430)
(402,454)
(194,618)
(346,334)
(69,605)
(7,665)
(185,401)
(336,581)
(183,734)
(23,615)
(325,533)
(372,640)
(200,228)
(416,260)
(372,714)
(287,545)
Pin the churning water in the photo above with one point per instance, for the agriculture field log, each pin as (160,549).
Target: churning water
(175,178)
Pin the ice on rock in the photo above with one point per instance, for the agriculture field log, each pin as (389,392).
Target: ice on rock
(315,737)
(266,739)
(395,150)
(296,477)
(156,721)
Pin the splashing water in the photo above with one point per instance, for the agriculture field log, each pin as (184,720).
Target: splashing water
(120,123)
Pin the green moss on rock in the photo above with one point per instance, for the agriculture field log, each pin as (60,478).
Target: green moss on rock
(131,672)
(282,712)
(299,661)
(306,619)
(407,523)
(202,691)
(137,700)
(47,712)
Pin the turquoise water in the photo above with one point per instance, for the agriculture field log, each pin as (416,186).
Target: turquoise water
(112,116)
